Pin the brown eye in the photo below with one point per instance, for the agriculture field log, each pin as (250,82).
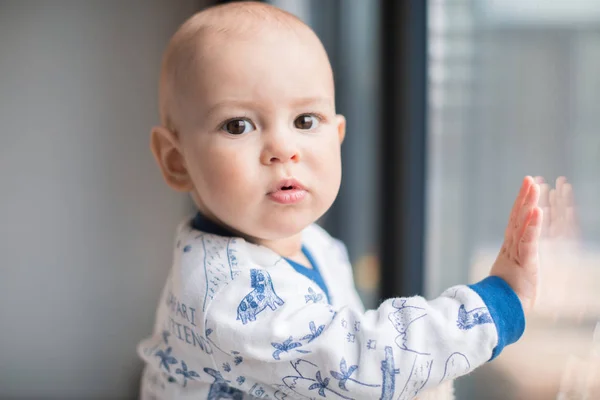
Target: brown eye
(306,121)
(238,126)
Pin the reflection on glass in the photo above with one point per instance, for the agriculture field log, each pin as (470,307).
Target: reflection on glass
(514,92)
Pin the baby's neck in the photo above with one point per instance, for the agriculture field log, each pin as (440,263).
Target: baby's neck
(290,247)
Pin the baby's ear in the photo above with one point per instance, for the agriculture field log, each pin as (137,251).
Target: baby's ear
(165,147)
(341,126)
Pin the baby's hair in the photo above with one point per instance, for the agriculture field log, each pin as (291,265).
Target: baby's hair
(242,19)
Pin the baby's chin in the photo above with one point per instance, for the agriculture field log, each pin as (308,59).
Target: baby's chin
(261,224)
(278,226)
(278,230)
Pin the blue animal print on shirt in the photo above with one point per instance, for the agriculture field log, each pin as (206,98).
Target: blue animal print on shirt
(402,319)
(220,388)
(262,296)
(469,319)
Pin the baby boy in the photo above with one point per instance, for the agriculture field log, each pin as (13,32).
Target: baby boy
(260,301)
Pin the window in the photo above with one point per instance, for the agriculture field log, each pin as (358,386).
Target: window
(511,89)
(514,91)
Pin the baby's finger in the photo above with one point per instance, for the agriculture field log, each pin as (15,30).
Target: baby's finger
(528,243)
(531,202)
(516,208)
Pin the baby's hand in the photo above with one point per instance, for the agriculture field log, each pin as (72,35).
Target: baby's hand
(518,261)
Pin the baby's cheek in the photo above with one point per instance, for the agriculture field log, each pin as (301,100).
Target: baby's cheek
(328,163)
(326,175)
(231,179)
(224,196)
(226,181)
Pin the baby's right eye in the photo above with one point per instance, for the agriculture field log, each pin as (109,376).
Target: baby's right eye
(238,126)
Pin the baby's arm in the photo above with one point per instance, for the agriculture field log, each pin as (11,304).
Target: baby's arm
(269,332)
(301,348)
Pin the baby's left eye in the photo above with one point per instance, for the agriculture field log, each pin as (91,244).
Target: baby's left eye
(306,121)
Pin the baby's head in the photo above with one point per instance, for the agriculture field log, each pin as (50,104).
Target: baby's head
(248,118)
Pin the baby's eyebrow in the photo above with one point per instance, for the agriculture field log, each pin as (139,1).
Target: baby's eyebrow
(228,104)
(307,101)
(246,104)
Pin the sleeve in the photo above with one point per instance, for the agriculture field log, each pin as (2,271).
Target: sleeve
(285,339)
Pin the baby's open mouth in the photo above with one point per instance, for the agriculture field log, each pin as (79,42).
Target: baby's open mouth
(287,191)
(286,185)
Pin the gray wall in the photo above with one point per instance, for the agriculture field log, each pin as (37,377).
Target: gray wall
(86,223)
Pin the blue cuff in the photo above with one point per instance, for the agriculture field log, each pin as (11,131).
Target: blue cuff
(505,309)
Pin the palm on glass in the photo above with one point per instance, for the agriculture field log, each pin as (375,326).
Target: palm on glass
(518,260)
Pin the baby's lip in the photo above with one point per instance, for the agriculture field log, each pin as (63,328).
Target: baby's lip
(287,184)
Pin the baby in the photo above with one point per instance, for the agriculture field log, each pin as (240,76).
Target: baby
(260,301)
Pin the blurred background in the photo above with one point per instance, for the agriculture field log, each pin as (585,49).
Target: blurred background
(449,104)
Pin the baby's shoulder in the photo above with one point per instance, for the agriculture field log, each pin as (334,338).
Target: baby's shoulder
(316,237)
(316,234)
(206,265)
(222,256)
(213,262)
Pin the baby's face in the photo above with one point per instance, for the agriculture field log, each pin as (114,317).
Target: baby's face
(263,148)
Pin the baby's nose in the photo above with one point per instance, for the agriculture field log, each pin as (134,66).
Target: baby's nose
(280,150)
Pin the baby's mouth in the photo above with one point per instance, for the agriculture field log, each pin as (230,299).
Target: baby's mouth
(287,185)
(287,191)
